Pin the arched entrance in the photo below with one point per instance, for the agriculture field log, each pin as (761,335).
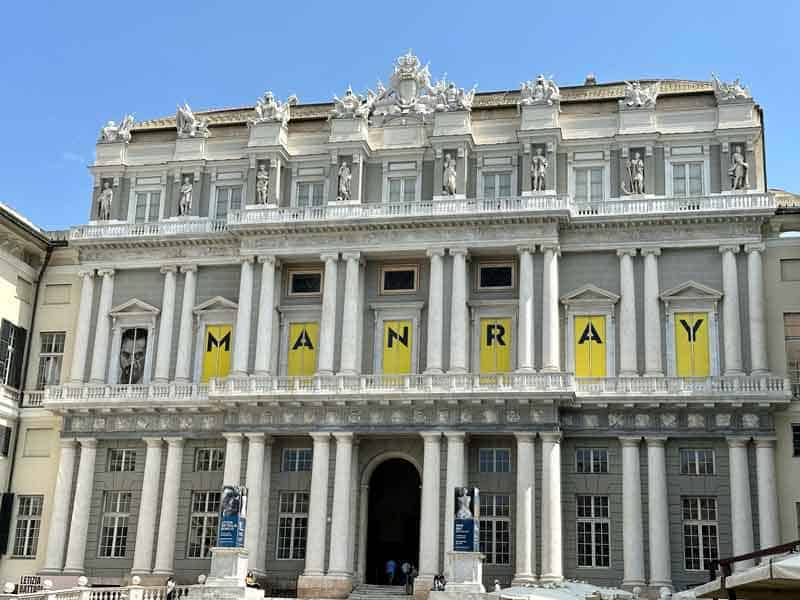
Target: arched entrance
(392,518)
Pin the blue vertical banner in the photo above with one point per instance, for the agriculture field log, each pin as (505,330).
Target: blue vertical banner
(233,517)
(467,507)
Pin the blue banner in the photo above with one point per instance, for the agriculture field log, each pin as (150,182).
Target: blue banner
(466,537)
(232,517)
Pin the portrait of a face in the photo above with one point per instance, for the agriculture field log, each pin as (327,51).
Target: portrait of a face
(131,355)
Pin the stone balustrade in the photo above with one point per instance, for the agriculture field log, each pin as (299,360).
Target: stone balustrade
(131,592)
(172,227)
(32,399)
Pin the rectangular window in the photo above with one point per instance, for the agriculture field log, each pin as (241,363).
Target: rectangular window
(790,269)
(121,460)
(795,439)
(12,348)
(494,460)
(791,333)
(495,276)
(5,439)
(148,207)
(591,460)
(593,527)
(305,283)
(310,194)
(691,345)
(687,179)
(495,528)
(29,521)
(398,279)
(496,185)
(297,459)
(51,355)
(228,200)
(589,184)
(114,527)
(700,545)
(697,461)
(292,525)
(209,459)
(203,524)
(402,189)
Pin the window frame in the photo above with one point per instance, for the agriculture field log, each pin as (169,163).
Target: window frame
(126,458)
(596,522)
(52,357)
(687,178)
(207,516)
(697,462)
(592,450)
(404,181)
(216,455)
(704,300)
(396,311)
(12,350)
(678,155)
(589,167)
(309,271)
(299,460)
(121,524)
(792,371)
(312,183)
(489,517)
(146,183)
(29,524)
(795,439)
(293,516)
(402,169)
(495,460)
(699,523)
(394,268)
(494,175)
(488,264)
(227,188)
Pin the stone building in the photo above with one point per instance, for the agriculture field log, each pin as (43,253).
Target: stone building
(553,294)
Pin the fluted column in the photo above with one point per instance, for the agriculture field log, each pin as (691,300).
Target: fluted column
(340,561)
(167,524)
(755,309)
(458,312)
(552,557)
(551,340)
(741,505)
(79,524)
(627,314)
(525,317)
(730,311)
(327,328)
(454,477)
(526,509)
(430,518)
(164,349)
(435,311)
(768,516)
(318,505)
(186,331)
(652,314)
(102,328)
(266,316)
(148,508)
(232,473)
(254,481)
(632,529)
(80,346)
(658,529)
(351,314)
(59,517)
(241,337)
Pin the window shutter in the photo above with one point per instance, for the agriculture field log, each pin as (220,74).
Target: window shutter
(15,373)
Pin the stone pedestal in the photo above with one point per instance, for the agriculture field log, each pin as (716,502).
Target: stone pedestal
(190,148)
(636,120)
(228,567)
(348,130)
(457,122)
(466,572)
(272,133)
(540,116)
(113,153)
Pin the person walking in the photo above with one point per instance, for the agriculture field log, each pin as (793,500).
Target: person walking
(391,568)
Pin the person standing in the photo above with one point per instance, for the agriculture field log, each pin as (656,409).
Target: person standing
(391,568)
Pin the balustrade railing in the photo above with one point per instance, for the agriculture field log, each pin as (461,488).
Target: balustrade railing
(648,206)
(174,392)
(171,227)
(32,399)
(133,592)
(740,385)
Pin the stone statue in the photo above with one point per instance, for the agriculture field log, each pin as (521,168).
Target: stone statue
(541,91)
(738,170)
(729,92)
(268,109)
(637,96)
(538,171)
(449,176)
(345,177)
(112,132)
(262,184)
(348,106)
(104,202)
(635,169)
(463,511)
(185,205)
(450,98)
(188,125)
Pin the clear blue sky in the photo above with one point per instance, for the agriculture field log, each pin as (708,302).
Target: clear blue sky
(67,67)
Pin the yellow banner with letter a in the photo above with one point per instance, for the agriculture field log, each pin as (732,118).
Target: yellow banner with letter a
(691,345)
(397,344)
(590,346)
(495,345)
(303,340)
(217,348)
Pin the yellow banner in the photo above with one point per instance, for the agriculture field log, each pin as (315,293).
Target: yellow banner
(590,346)
(217,349)
(397,341)
(691,345)
(495,345)
(303,339)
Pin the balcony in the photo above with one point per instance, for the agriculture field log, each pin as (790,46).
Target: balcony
(126,397)
(189,227)
(737,388)
(32,399)
(718,203)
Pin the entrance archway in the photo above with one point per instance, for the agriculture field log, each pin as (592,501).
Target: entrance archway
(392,518)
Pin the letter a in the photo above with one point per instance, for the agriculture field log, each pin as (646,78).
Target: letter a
(303,341)
(590,335)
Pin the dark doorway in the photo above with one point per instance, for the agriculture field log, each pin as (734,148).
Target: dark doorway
(393,519)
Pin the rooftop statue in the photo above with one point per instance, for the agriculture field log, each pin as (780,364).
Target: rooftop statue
(268,109)
(112,132)
(638,96)
(729,92)
(350,106)
(540,91)
(188,125)
(450,98)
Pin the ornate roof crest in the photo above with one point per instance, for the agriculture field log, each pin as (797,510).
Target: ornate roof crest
(539,91)
(188,125)
(269,110)
(639,96)
(111,132)
(730,92)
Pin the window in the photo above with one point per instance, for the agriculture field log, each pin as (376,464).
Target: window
(51,355)
(228,199)
(148,207)
(593,531)
(496,277)
(57,293)
(29,521)
(687,179)
(494,460)
(797,510)
(203,524)
(697,462)
(297,459)
(591,460)
(796,439)
(292,525)
(496,185)
(114,529)
(790,269)
(12,347)
(398,280)
(495,528)
(791,333)
(121,460)
(589,184)
(310,194)
(305,283)
(24,290)
(402,189)
(699,532)
(209,459)
(5,439)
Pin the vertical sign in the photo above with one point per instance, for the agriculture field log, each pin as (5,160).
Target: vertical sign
(217,348)
(466,537)
(495,345)
(691,345)
(303,338)
(590,346)
(397,347)
(232,520)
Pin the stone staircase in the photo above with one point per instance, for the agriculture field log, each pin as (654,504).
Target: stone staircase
(366,591)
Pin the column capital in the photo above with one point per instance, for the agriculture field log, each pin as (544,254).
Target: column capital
(651,251)
(551,246)
(656,441)
(729,248)
(755,247)
(455,435)
(153,442)
(188,268)
(256,437)
(269,259)
(233,436)
(175,442)
(431,252)
(168,269)
(765,442)
(354,256)
(86,273)
(243,260)
(431,436)
(738,442)
(626,252)
(67,443)
(628,441)
(329,257)
(525,437)
(88,442)
(526,249)
(459,251)
(105,272)
(320,436)
(551,436)
(344,436)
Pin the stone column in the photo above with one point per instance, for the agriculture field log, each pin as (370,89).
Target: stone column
(167,524)
(79,524)
(232,475)
(351,314)
(741,506)
(186,332)
(526,509)
(81,343)
(435,312)
(455,477)
(354,499)
(327,328)
(458,312)
(59,517)
(266,316)
(627,314)
(525,318)
(148,508)
(658,530)
(632,529)
(340,564)
(768,521)
(430,518)
(265,506)
(101,350)
(730,311)
(552,558)
(318,506)
(241,337)
(164,350)
(652,314)
(551,330)
(755,309)
(254,480)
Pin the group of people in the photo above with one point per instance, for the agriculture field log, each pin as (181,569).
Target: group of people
(408,573)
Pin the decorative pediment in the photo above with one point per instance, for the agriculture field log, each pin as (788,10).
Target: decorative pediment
(691,291)
(215,303)
(589,295)
(134,308)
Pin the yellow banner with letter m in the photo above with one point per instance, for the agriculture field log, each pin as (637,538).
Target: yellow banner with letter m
(217,349)
(691,345)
